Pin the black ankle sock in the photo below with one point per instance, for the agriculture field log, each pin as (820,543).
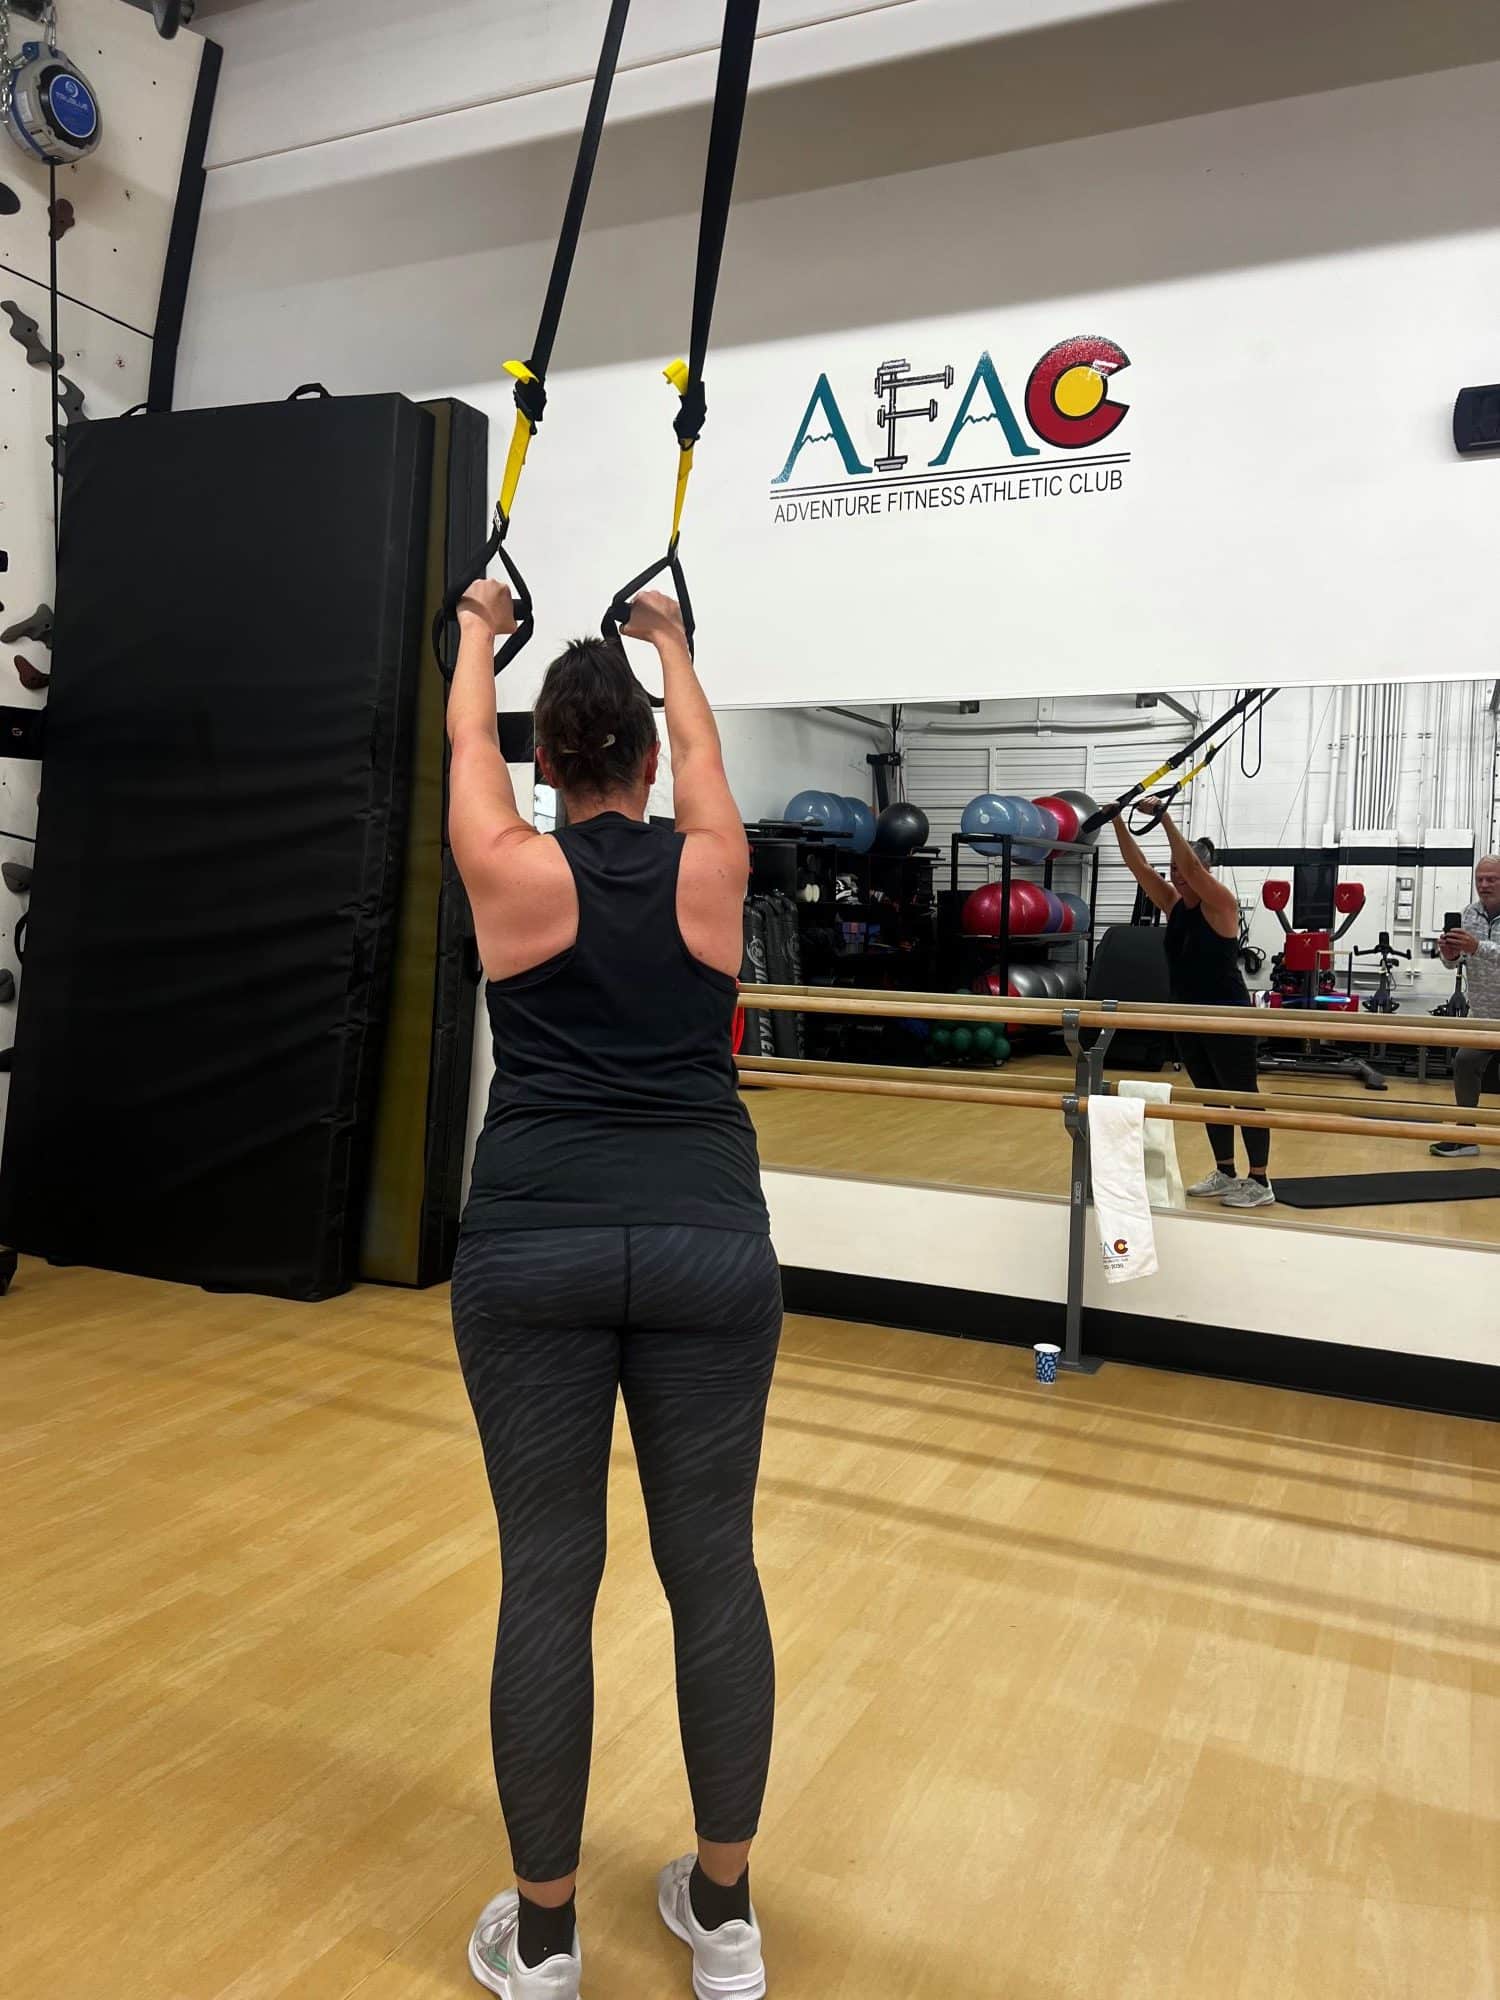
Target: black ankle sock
(545,1933)
(713,1905)
(1261,1175)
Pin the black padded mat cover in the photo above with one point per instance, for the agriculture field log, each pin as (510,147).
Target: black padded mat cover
(240,599)
(422,1127)
(1378,1190)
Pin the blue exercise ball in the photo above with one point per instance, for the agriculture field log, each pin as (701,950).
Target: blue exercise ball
(861,836)
(1035,826)
(820,810)
(990,815)
(1080,909)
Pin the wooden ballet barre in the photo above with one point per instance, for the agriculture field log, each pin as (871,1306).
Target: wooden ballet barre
(1179,1114)
(988,1083)
(1013,1007)
(1263,1023)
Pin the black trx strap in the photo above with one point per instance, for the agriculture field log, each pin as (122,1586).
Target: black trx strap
(1232,721)
(531,376)
(736,54)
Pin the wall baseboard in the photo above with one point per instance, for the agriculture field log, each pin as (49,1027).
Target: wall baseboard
(1321,1367)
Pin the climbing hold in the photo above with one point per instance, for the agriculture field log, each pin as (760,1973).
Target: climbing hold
(10,201)
(23,328)
(70,400)
(38,627)
(61,218)
(31,678)
(17,877)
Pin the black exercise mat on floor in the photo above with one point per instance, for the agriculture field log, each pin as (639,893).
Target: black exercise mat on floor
(1373,1190)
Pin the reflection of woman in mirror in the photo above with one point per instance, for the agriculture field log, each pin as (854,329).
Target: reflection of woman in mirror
(615,1240)
(1203,966)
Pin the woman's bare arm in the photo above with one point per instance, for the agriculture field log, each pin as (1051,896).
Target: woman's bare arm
(1152,884)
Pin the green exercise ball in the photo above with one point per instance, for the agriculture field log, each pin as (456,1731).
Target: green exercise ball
(984,1042)
(963,1041)
(942,1038)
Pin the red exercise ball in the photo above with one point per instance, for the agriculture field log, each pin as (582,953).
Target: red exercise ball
(1029,910)
(981,912)
(1065,814)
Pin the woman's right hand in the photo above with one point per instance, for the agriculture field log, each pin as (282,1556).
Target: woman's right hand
(490,605)
(654,617)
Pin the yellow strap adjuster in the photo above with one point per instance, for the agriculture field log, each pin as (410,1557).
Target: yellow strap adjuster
(684,471)
(520,443)
(679,377)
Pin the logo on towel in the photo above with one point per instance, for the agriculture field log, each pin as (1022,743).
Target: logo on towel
(1122,1248)
(878,463)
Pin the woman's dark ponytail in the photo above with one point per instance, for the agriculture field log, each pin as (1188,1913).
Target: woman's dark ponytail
(593,720)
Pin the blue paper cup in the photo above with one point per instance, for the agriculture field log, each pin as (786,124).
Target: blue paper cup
(1046,1361)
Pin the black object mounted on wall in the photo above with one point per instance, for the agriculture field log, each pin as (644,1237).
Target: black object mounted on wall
(1476,420)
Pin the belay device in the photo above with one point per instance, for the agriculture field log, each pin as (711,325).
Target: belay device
(47,104)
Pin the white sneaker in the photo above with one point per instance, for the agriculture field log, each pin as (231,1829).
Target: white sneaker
(727,1964)
(1216,1184)
(1249,1194)
(1453,1149)
(495,1962)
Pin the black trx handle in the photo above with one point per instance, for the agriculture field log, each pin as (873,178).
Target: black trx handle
(531,376)
(1241,711)
(475,568)
(736,55)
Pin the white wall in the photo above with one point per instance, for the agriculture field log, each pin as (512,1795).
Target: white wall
(1291,493)
(1342,1286)
(109,271)
(770,754)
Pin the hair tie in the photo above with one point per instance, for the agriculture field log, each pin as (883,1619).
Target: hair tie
(607,744)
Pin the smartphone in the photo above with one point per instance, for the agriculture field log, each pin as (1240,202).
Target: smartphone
(1453,921)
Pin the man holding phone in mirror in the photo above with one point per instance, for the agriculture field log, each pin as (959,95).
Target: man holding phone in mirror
(1474,936)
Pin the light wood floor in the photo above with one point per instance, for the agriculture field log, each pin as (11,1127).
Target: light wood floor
(975,1145)
(1135,1688)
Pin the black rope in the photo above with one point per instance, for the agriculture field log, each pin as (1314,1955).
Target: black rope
(736,56)
(57,438)
(1260,744)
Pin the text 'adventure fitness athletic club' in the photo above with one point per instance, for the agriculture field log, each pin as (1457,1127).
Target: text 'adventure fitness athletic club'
(939,440)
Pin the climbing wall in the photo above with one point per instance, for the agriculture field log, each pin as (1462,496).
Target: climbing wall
(112,223)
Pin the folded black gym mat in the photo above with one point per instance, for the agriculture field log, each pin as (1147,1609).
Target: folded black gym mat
(219,860)
(1375,1190)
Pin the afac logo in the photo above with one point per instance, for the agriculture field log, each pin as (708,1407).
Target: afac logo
(1067,405)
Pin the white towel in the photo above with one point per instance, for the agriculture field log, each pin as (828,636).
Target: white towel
(1164,1187)
(1117,1153)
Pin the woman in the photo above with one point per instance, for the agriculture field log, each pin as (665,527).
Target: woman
(1203,967)
(616,1238)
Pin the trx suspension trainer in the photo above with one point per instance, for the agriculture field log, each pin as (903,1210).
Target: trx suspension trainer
(530,376)
(1151,812)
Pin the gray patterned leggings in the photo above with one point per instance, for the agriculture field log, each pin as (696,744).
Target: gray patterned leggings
(550,1323)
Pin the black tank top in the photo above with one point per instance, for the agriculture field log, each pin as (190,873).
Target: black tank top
(1203,968)
(614,1100)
